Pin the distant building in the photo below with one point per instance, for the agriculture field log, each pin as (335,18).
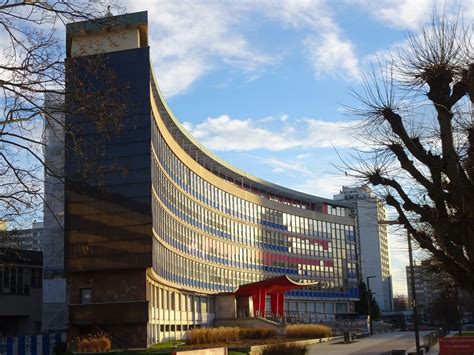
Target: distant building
(431,286)
(25,239)
(400,303)
(20,292)
(373,244)
(55,314)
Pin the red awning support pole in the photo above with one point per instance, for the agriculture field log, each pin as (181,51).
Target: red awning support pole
(263,302)
(277,303)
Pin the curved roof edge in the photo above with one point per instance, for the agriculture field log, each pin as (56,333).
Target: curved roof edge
(272,188)
(274,284)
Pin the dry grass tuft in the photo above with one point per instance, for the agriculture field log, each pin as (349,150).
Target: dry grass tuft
(284,349)
(105,344)
(212,335)
(94,343)
(313,331)
(257,333)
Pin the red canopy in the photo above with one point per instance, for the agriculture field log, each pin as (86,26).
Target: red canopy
(275,287)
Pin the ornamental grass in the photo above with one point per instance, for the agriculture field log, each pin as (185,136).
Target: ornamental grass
(284,349)
(309,331)
(93,343)
(257,333)
(212,335)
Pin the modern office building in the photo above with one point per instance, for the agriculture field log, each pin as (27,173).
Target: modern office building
(373,243)
(165,227)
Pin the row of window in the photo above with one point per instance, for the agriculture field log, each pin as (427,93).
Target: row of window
(225,230)
(165,299)
(232,205)
(192,273)
(19,279)
(216,224)
(182,238)
(175,301)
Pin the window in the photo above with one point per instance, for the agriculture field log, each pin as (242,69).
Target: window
(341,307)
(36,278)
(86,295)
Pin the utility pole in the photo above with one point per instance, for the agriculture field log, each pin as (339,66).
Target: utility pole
(413,293)
(458,307)
(369,303)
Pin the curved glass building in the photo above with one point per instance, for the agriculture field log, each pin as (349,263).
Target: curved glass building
(182,228)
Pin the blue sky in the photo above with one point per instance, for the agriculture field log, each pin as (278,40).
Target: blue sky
(263,83)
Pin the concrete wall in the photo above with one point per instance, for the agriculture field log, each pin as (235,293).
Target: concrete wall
(225,306)
(22,310)
(105,42)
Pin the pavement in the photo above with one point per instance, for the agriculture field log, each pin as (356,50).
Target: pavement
(373,345)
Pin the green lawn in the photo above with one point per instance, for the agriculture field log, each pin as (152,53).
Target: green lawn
(165,345)
(164,348)
(468,334)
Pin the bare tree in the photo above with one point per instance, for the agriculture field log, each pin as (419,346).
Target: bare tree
(416,108)
(32,66)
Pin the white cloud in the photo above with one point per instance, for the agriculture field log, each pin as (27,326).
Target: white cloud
(188,38)
(279,166)
(328,51)
(324,184)
(331,55)
(303,156)
(409,14)
(224,133)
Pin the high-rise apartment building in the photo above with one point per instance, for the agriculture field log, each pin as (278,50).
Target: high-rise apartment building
(168,226)
(25,239)
(373,244)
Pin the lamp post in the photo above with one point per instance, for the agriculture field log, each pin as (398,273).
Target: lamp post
(413,295)
(413,288)
(369,301)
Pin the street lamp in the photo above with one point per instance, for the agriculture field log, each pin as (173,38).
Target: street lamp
(369,301)
(413,295)
(413,288)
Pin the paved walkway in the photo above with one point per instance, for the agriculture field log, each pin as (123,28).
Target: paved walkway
(373,345)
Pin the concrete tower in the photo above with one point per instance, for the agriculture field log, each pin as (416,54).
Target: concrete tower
(373,243)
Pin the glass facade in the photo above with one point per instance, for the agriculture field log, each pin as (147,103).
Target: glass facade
(166,226)
(108,197)
(212,234)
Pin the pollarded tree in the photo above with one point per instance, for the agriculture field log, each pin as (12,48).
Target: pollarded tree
(32,54)
(418,126)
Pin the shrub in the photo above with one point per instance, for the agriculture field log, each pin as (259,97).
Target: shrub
(308,331)
(212,335)
(104,343)
(284,349)
(257,333)
(94,343)
(83,345)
